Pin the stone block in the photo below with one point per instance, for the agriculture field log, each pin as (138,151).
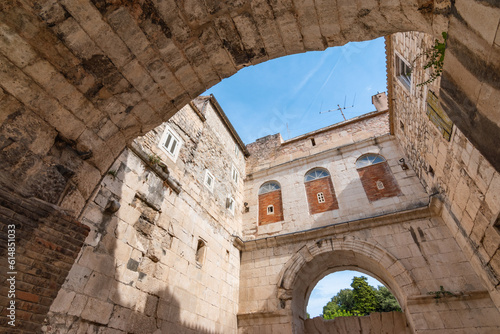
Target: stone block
(63,301)
(77,278)
(492,195)
(98,286)
(97,311)
(15,47)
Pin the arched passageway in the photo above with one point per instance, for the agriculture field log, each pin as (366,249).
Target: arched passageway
(89,76)
(302,273)
(80,79)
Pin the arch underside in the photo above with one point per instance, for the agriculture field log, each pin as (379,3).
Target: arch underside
(93,75)
(80,79)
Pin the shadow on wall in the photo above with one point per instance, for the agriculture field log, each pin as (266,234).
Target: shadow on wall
(122,281)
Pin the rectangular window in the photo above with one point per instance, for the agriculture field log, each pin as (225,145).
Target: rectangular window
(236,150)
(170,143)
(201,250)
(403,71)
(209,180)
(230,204)
(270,210)
(235,175)
(321,198)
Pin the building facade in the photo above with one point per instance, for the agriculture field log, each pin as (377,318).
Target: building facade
(192,232)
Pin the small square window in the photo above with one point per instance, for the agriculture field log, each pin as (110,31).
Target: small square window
(270,210)
(209,180)
(235,175)
(403,71)
(321,198)
(230,204)
(170,143)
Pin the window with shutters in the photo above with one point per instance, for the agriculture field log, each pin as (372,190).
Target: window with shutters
(171,143)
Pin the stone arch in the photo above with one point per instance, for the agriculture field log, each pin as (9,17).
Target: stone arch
(100,73)
(318,258)
(79,80)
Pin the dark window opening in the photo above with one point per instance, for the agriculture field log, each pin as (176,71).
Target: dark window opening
(200,252)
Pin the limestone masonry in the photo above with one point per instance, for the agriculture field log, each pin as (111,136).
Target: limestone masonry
(138,209)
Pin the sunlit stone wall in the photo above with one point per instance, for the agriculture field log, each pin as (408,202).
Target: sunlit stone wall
(335,149)
(164,262)
(454,169)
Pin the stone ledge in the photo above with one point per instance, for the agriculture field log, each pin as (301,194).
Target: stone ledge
(161,172)
(426,299)
(422,212)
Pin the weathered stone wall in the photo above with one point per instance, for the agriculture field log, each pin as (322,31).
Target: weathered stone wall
(335,151)
(92,75)
(272,151)
(413,253)
(468,183)
(141,270)
(387,323)
(470,89)
(100,73)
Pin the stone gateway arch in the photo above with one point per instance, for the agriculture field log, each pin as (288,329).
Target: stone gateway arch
(80,80)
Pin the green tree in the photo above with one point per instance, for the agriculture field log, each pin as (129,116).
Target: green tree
(360,300)
(363,295)
(342,301)
(386,302)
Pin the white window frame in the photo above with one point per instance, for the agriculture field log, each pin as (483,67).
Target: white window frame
(236,150)
(321,197)
(168,150)
(235,174)
(270,212)
(402,78)
(231,204)
(208,175)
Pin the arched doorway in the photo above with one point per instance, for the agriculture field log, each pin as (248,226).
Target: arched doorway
(300,275)
(92,75)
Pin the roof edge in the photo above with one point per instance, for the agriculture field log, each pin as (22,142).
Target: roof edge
(228,125)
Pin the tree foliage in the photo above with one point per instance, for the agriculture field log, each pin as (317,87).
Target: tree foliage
(362,299)
(365,301)
(386,302)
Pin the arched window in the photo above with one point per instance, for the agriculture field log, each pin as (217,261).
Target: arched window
(268,187)
(376,177)
(316,173)
(320,192)
(270,203)
(369,159)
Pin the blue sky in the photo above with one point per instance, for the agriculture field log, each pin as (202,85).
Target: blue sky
(329,286)
(261,100)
